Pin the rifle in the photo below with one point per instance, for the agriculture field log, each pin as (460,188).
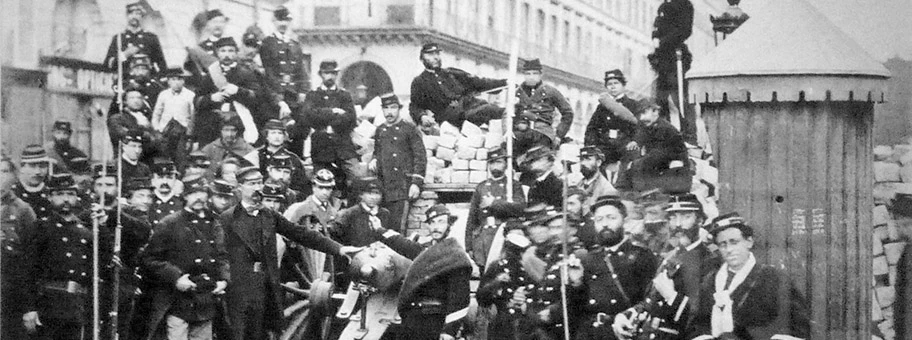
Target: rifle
(646,324)
(115,278)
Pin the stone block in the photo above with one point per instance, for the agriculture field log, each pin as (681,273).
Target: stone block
(880,215)
(881,233)
(495,126)
(903,188)
(893,251)
(884,193)
(885,296)
(428,195)
(469,129)
(886,172)
(880,266)
(886,329)
(447,141)
(476,165)
(899,151)
(460,164)
(887,313)
(446,154)
(478,176)
(428,153)
(474,141)
(893,232)
(444,176)
(461,176)
(905,159)
(448,129)
(493,141)
(430,142)
(878,246)
(465,152)
(883,152)
(481,154)
(876,313)
(892,276)
(905,173)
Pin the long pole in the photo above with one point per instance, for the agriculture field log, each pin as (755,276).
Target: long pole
(680,67)
(115,276)
(511,97)
(565,250)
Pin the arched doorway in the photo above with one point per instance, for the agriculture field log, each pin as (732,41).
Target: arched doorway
(369,74)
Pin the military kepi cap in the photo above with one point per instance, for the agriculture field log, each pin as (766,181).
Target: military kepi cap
(684,202)
(430,48)
(137,183)
(61,182)
(497,153)
(615,74)
(136,6)
(532,65)
(221,187)
(197,184)
(225,41)
(281,13)
(274,124)
(436,211)
(591,150)
(324,178)
(728,221)
(329,65)
(34,153)
(63,125)
(389,99)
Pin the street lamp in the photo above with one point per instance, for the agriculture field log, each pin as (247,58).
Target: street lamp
(729,21)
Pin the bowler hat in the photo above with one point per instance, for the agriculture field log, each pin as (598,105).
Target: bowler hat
(329,65)
(615,74)
(281,13)
(63,125)
(324,178)
(532,65)
(389,99)
(430,47)
(537,153)
(646,103)
(177,72)
(61,182)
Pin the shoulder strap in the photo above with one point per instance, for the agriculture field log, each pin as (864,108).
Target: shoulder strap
(614,279)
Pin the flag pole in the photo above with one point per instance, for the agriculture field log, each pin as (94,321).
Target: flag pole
(510,109)
(565,249)
(115,278)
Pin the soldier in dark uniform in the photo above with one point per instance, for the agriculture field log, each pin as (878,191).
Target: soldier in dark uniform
(274,198)
(611,279)
(353,225)
(104,183)
(505,284)
(613,124)
(131,149)
(165,200)
(140,79)
(16,221)
(541,100)
(660,143)
(594,181)
(544,185)
(135,233)
(135,120)
(329,110)
(448,94)
(33,170)
(232,86)
(487,241)
(278,170)
(59,266)
(201,56)
(188,265)
(254,298)
(677,287)
(134,40)
(283,60)
(434,298)
(60,149)
(486,193)
(672,26)
(276,136)
(741,299)
(399,160)
(222,196)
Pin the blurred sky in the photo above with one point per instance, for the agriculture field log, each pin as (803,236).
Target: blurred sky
(882,27)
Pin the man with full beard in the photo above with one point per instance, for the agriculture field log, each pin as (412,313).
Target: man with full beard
(134,40)
(448,94)
(166,201)
(679,285)
(59,265)
(612,278)
(594,182)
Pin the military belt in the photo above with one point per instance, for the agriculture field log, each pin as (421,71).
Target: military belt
(71,287)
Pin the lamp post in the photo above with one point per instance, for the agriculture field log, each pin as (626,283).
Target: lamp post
(729,21)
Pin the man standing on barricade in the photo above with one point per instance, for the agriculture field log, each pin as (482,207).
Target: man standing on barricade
(486,193)
(541,100)
(134,40)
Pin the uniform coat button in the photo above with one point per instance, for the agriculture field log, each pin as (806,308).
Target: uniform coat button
(591,301)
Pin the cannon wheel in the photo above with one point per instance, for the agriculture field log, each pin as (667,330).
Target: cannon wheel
(313,291)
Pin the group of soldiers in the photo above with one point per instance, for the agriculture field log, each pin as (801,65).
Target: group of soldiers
(199,220)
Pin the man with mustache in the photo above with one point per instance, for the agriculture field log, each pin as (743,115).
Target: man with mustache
(166,201)
(283,59)
(254,298)
(321,203)
(188,265)
(399,160)
(613,123)
(594,181)
(139,77)
(538,175)
(354,224)
(135,40)
(60,149)
(448,94)
(690,261)
(222,196)
(486,193)
(229,143)
(330,111)
(16,219)
(612,278)
(210,25)
(33,169)
(276,137)
(59,265)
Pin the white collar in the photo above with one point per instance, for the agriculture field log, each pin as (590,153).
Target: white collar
(622,95)
(693,245)
(542,177)
(318,201)
(369,210)
(129,161)
(280,36)
(324,88)
(615,247)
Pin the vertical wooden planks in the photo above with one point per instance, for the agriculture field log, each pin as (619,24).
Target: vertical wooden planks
(758,186)
(818,215)
(797,173)
(841,192)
